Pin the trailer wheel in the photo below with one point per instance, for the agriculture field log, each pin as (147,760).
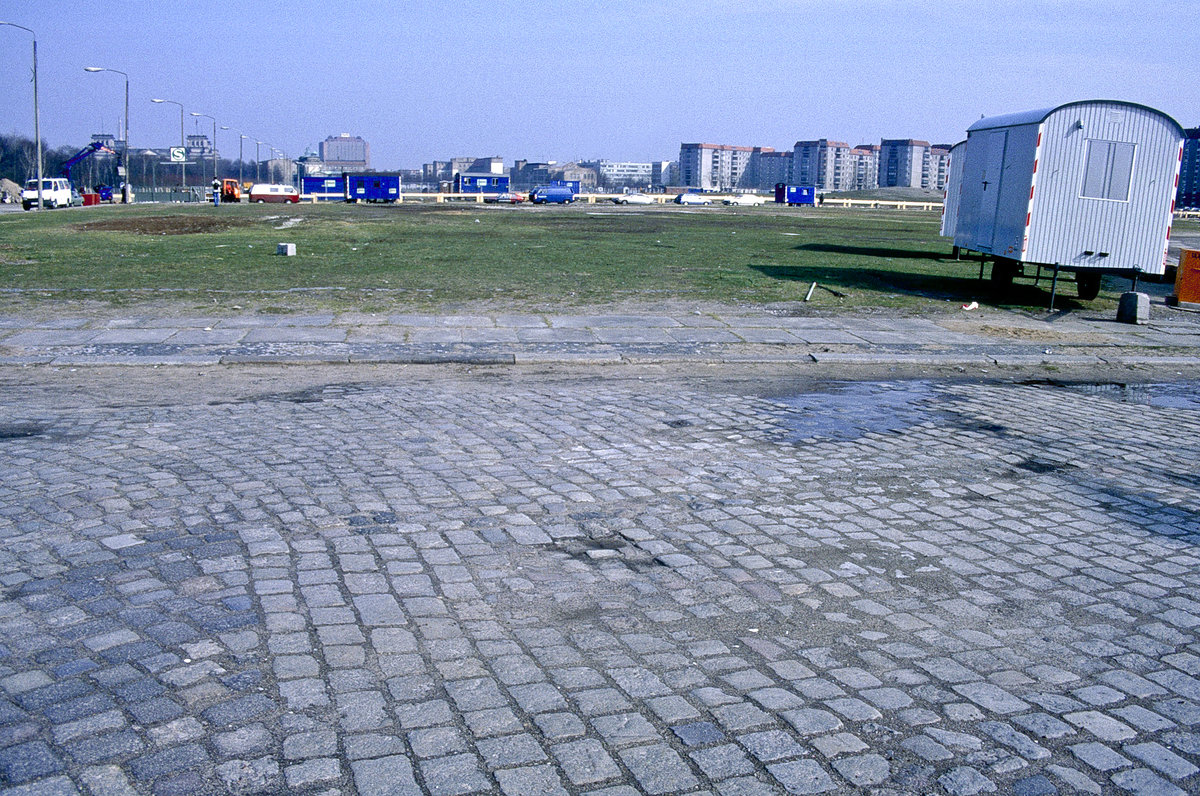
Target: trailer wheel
(1003,273)
(1087,283)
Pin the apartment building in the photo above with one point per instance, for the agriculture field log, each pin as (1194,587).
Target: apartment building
(620,174)
(1188,194)
(345,152)
(939,166)
(714,167)
(863,166)
(903,163)
(767,168)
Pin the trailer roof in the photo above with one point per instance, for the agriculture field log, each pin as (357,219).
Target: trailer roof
(1038,116)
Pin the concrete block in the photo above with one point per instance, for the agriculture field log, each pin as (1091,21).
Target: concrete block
(286,250)
(1134,308)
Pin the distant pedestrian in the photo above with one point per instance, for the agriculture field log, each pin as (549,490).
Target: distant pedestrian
(216,185)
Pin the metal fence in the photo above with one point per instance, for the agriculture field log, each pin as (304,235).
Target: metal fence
(192,193)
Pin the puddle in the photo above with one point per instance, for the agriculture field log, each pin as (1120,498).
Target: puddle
(1182,395)
(850,410)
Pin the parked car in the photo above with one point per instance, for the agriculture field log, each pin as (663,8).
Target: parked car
(267,192)
(692,199)
(76,198)
(506,198)
(633,199)
(56,192)
(744,200)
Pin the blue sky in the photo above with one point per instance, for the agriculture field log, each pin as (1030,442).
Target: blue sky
(570,79)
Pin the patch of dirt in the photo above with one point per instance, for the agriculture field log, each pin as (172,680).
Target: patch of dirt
(164,225)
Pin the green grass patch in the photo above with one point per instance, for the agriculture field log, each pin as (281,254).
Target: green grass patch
(426,257)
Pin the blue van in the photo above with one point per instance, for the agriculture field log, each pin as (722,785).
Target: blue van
(555,194)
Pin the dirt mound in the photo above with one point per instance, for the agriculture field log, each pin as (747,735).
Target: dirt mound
(164,225)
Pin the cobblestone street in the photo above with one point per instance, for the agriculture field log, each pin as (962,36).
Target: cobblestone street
(471,583)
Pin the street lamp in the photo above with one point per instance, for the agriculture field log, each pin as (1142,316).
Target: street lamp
(257,162)
(182,142)
(37,125)
(241,139)
(214,141)
(125,154)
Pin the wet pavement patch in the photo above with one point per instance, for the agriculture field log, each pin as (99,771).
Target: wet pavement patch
(20,430)
(850,410)
(1183,395)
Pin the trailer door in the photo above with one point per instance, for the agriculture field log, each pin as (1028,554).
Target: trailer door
(989,197)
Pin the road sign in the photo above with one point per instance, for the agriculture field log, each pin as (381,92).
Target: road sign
(178,154)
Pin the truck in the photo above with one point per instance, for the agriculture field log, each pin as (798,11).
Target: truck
(551,194)
(231,190)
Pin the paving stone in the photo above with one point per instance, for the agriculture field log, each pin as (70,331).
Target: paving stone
(863,770)
(802,776)
(966,781)
(658,769)
(585,762)
(385,776)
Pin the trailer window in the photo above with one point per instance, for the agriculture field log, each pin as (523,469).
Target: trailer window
(1107,170)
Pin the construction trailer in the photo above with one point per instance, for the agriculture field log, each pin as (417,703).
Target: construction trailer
(793,195)
(1086,187)
(372,187)
(953,192)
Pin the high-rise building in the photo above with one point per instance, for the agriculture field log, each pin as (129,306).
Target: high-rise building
(939,166)
(346,153)
(714,167)
(767,168)
(1188,194)
(903,163)
(822,163)
(863,164)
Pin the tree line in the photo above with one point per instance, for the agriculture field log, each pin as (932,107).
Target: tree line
(18,162)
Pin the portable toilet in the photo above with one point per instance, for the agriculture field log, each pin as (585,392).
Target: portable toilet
(953,189)
(1087,187)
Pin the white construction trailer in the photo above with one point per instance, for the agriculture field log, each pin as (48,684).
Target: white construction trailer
(1087,187)
(953,189)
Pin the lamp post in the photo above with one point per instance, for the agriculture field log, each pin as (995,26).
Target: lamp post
(37,124)
(125,153)
(214,141)
(241,139)
(182,142)
(257,161)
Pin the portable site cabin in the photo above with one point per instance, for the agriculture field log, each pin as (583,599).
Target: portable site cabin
(953,189)
(1087,187)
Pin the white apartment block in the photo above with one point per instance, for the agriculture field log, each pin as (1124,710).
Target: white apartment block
(863,165)
(614,173)
(904,163)
(714,167)
(939,166)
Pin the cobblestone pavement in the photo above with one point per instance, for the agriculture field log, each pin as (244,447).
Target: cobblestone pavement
(461,585)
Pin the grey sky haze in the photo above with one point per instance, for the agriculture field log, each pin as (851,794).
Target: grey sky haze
(570,79)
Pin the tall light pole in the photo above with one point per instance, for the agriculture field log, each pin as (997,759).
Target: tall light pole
(125,154)
(214,141)
(37,123)
(257,161)
(182,142)
(241,139)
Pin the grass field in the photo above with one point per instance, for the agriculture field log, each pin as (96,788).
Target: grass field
(424,257)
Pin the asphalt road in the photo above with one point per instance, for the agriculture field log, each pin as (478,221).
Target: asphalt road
(653,579)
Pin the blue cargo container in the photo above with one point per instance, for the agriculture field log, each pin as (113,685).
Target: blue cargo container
(795,194)
(372,187)
(324,189)
(572,184)
(551,194)
(480,183)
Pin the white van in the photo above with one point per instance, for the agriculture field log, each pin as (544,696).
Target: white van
(266,192)
(56,192)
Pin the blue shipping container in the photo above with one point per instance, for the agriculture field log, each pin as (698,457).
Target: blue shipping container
(795,194)
(324,189)
(372,187)
(572,184)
